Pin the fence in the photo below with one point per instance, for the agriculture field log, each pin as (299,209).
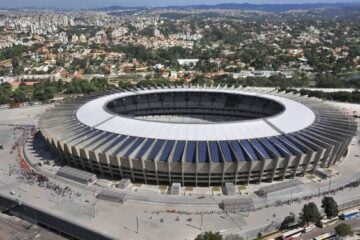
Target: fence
(265,229)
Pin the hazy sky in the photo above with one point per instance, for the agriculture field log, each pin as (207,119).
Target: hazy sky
(104,3)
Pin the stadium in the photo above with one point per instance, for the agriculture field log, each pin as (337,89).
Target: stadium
(198,135)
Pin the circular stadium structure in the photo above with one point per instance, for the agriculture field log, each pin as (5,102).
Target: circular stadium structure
(198,136)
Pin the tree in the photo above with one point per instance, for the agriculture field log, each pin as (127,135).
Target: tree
(42,93)
(124,84)
(310,213)
(19,95)
(233,237)
(344,230)
(100,83)
(288,221)
(209,236)
(5,93)
(330,207)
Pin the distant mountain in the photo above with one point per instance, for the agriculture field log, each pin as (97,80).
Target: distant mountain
(247,6)
(268,7)
(117,8)
(238,6)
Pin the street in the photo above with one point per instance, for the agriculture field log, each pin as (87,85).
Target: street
(354,223)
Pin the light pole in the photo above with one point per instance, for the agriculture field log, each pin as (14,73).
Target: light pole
(330,184)
(137,225)
(201,221)
(93,204)
(94,209)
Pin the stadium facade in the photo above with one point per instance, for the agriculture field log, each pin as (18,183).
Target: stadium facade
(198,136)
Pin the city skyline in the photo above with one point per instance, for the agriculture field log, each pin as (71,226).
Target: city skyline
(84,4)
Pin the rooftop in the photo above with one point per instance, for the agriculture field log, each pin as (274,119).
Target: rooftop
(95,115)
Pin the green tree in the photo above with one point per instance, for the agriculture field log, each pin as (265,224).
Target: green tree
(100,83)
(233,237)
(124,84)
(5,93)
(330,207)
(20,95)
(344,230)
(310,214)
(209,236)
(288,220)
(42,93)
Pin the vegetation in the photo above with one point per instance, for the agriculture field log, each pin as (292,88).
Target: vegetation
(6,96)
(344,230)
(233,237)
(310,214)
(217,236)
(209,236)
(46,90)
(90,31)
(167,56)
(288,221)
(12,52)
(124,84)
(341,96)
(330,207)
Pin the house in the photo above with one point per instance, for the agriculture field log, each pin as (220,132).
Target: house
(63,73)
(16,83)
(6,64)
(165,73)
(188,62)
(296,52)
(173,74)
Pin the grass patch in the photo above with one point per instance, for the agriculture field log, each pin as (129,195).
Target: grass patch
(189,189)
(137,184)
(163,187)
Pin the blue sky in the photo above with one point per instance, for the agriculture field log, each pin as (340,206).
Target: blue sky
(104,3)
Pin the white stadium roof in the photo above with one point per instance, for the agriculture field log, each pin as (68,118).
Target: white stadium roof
(295,117)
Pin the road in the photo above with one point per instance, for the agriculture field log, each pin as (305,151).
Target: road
(354,223)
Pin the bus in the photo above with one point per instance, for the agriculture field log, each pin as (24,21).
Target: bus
(324,236)
(350,214)
(328,222)
(294,233)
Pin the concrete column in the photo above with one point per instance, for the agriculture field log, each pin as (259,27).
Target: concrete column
(249,171)
(276,164)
